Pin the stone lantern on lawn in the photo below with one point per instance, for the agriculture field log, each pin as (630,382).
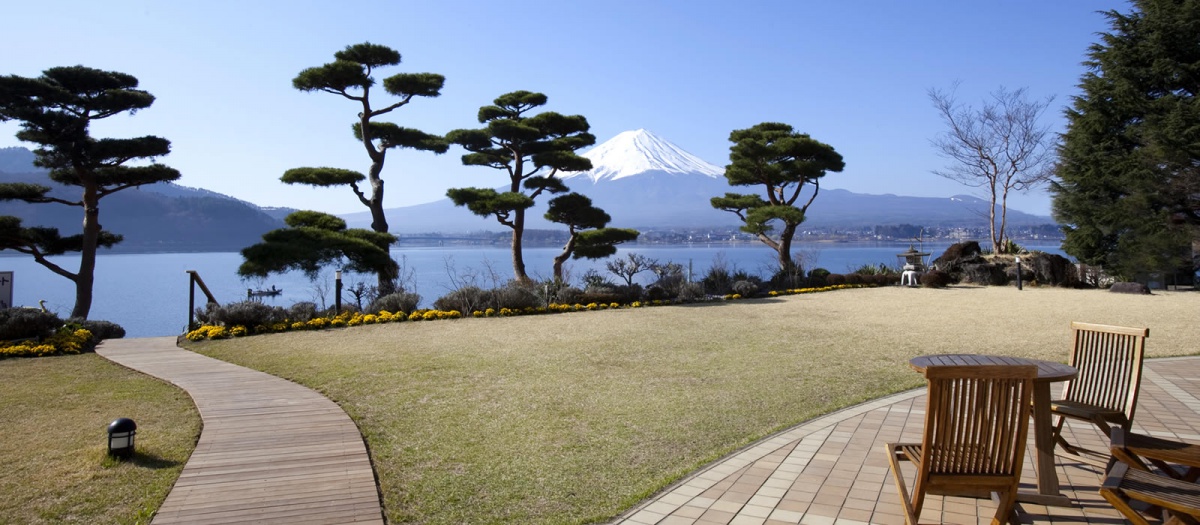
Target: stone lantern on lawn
(914,264)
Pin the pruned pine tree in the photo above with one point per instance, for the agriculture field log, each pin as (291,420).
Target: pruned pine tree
(350,75)
(315,240)
(530,149)
(55,112)
(590,238)
(1127,192)
(1001,147)
(780,162)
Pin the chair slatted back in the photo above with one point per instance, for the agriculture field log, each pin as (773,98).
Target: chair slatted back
(977,419)
(1109,360)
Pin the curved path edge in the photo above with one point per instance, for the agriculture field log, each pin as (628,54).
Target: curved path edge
(271,451)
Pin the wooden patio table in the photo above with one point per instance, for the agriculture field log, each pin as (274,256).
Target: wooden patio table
(1048,492)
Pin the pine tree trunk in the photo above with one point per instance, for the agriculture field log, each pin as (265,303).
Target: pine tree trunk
(85,278)
(784,250)
(518,257)
(562,258)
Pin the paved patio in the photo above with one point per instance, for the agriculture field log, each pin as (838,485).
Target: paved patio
(833,470)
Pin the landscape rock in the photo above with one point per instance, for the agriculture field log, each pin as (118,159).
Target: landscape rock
(1049,268)
(957,255)
(984,273)
(1130,288)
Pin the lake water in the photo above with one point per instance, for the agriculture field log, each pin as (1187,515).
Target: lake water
(147,294)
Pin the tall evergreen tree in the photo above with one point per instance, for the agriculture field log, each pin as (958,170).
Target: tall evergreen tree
(350,75)
(1128,188)
(55,112)
(531,150)
(781,162)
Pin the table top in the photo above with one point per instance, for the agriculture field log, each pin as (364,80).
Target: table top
(1048,371)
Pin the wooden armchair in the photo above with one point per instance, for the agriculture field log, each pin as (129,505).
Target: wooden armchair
(1173,458)
(1169,491)
(976,424)
(1109,360)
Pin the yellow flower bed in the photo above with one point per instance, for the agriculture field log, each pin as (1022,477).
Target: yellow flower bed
(65,341)
(347,319)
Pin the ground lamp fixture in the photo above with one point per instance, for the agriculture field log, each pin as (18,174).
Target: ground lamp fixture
(1019,273)
(121,434)
(337,292)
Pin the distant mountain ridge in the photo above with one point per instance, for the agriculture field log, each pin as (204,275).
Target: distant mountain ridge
(646,182)
(154,217)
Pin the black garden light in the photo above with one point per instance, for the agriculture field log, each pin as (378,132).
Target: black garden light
(1019,287)
(121,434)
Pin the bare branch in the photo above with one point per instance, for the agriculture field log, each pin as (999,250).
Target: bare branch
(1000,147)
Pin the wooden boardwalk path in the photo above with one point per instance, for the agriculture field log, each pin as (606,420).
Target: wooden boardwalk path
(271,451)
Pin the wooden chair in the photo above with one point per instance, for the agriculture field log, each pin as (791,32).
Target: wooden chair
(976,424)
(1109,360)
(1173,458)
(1178,500)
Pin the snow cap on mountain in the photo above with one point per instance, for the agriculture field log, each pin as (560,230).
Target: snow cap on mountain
(635,152)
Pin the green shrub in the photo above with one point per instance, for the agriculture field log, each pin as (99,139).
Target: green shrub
(690,292)
(466,300)
(515,296)
(601,297)
(886,279)
(745,288)
(935,279)
(818,277)
(718,280)
(246,313)
(1011,247)
(875,269)
(100,330)
(303,311)
(835,279)
(854,278)
(396,302)
(569,295)
(657,293)
(23,323)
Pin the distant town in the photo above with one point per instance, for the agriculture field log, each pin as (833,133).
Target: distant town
(1046,233)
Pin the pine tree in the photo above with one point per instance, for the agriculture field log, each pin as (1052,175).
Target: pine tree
(350,76)
(782,162)
(530,149)
(55,112)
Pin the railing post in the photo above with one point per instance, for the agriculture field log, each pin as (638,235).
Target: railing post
(191,300)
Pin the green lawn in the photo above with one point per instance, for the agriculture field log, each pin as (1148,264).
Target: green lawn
(53,441)
(576,417)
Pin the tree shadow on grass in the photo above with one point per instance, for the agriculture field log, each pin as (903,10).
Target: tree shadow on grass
(150,461)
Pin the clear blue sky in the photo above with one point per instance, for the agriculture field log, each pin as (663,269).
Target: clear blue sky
(853,74)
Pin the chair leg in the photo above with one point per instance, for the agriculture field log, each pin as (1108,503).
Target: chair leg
(1056,432)
(1006,508)
(912,507)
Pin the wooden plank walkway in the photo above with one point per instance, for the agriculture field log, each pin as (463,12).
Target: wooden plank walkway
(271,451)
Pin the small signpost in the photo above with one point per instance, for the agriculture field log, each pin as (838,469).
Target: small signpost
(6,289)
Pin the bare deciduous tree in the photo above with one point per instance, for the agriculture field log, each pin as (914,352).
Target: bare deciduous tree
(999,147)
(631,265)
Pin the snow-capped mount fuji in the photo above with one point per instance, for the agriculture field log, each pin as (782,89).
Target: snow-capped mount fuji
(637,152)
(645,182)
